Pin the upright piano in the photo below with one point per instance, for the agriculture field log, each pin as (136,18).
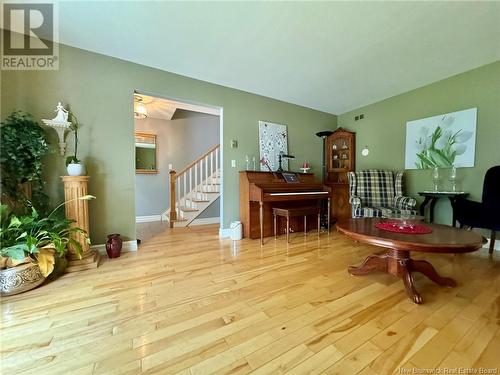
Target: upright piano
(261,191)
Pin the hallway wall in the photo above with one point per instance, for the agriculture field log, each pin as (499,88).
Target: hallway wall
(179,142)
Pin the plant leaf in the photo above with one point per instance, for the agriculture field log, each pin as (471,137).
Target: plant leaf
(14,222)
(77,247)
(15,252)
(439,158)
(45,260)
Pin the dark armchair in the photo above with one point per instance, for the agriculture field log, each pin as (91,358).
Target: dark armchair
(485,214)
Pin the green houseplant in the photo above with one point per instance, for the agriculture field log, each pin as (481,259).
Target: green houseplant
(35,244)
(24,144)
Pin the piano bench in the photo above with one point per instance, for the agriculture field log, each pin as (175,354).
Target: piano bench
(294,212)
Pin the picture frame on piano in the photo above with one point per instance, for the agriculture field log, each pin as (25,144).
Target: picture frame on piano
(290,177)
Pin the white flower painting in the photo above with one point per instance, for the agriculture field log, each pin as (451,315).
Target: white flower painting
(272,141)
(442,141)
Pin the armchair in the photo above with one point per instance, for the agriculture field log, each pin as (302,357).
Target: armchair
(483,214)
(378,193)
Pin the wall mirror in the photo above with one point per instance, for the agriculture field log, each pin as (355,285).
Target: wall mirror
(145,153)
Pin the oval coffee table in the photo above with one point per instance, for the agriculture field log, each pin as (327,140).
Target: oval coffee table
(397,261)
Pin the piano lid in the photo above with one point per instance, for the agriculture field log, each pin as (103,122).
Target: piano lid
(285,187)
(263,177)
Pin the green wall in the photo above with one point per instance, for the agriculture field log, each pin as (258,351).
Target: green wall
(383,129)
(99,90)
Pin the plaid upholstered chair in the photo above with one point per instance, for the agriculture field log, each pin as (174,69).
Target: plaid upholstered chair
(377,193)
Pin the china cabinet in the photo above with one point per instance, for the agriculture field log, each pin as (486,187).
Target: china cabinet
(340,156)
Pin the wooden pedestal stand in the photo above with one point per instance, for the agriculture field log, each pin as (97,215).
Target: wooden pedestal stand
(78,210)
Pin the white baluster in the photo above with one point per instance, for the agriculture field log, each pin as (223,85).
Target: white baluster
(206,173)
(212,171)
(191,182)
(179,196)
(196,180)
(201,177)
(184,189)
(199,188)
(216,159)
(219,162)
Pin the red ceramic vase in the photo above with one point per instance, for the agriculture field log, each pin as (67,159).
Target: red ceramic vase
(114,245)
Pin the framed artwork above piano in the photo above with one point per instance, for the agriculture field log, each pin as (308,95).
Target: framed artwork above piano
(340,158)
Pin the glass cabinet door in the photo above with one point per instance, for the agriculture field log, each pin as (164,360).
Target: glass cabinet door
(340,154)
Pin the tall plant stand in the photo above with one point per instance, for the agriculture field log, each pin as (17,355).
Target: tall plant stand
(78,210)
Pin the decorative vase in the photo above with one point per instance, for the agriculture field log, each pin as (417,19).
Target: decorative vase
(20,279)
(436,178)
(453,178)
(76,169)
(114,245)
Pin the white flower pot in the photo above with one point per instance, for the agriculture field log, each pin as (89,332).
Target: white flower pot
(76,169)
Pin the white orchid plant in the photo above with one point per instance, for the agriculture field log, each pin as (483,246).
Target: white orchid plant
(440,148)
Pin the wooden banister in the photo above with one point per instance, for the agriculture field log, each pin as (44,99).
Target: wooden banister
(197,160)
(173,212)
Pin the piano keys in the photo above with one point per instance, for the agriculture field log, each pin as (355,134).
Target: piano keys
(260,191)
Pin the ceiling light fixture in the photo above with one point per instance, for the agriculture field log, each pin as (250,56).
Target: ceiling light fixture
(140,110)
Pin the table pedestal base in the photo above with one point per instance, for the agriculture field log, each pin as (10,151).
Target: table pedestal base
(399,263)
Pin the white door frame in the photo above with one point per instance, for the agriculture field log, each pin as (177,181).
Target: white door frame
(221,141)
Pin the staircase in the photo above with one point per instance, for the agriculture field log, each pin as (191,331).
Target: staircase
(194,188)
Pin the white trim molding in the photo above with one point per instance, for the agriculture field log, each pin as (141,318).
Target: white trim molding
(497,244)
(148,219)
(205,221)
(128,246)
(164,216)
(225,232)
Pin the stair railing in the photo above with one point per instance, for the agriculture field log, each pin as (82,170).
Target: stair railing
(189,183)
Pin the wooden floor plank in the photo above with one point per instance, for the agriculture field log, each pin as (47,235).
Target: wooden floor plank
(190,303)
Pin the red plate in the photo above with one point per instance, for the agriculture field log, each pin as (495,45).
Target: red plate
(400,227)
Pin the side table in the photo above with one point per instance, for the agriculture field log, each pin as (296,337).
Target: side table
(432,196)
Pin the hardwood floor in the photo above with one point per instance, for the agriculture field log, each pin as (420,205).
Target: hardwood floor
(190,303)
(146,231)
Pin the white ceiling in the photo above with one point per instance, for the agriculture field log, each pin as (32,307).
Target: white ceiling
(164,109)
(331,56)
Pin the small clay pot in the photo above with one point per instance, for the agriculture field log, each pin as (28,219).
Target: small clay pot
(114,245)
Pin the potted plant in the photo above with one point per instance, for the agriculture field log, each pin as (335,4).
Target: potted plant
(34,247)
(24,144)
(75,166)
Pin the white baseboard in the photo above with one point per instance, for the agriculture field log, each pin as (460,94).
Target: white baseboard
(126,247)
(497,244)
(148,219)
(205,221)
(224,232)
(164,216)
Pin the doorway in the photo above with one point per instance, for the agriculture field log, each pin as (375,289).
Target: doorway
(178,153)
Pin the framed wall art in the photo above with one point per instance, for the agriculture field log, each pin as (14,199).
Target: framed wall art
(442,141)
(272,141)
